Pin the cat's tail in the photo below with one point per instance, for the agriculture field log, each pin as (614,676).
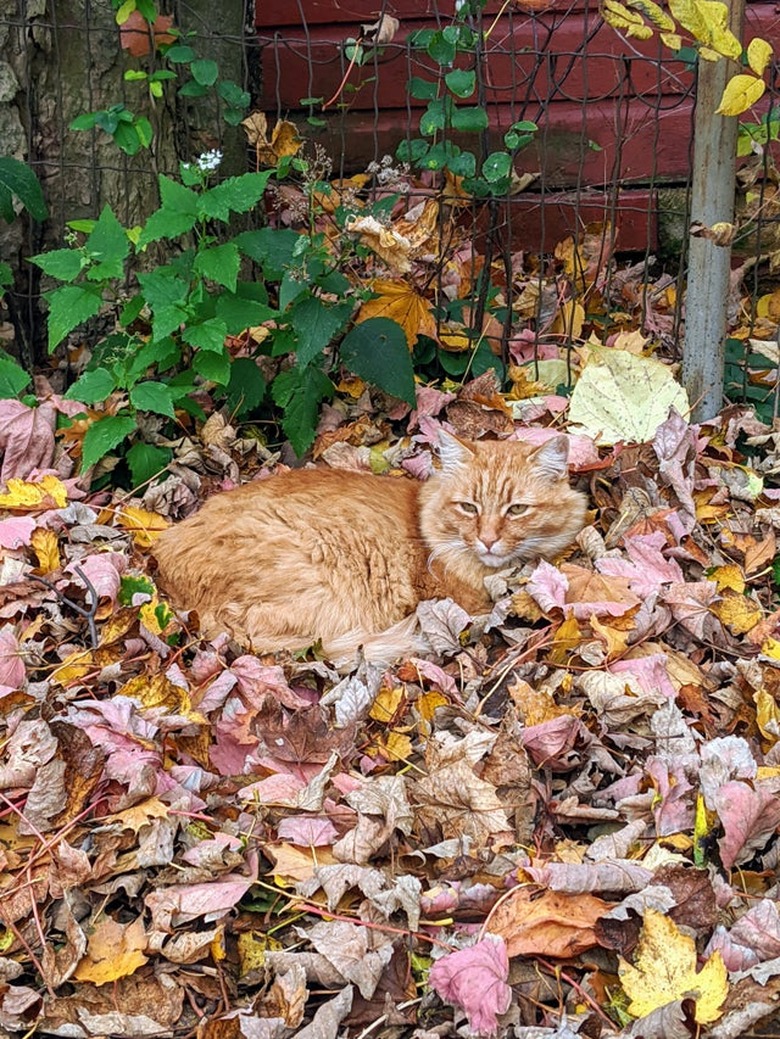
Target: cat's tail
(403,639)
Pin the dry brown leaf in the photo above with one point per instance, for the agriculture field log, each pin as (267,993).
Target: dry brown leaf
(547,924)
(114,951)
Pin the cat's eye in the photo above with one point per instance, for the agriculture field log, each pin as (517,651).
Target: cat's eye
(517,509)
(468,507)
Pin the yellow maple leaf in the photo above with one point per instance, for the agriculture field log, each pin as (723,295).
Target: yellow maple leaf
(114,951)
(146,526)
(386,704)
(47,549)
(739,613)
(767,715)
(155,691)
(400,302)
(665,970)
(729,576)
(284,138)
(23,495)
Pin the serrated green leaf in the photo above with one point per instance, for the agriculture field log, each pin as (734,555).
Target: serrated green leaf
(234,195)
(206,335)
(152,396)
(315,324)
(299,393)
(461,82)
(146,461)
(13,378)
(103,436)
(63,264)
(92,387)
(69,306)
(219,263)
(212,366)
(18,179)
(239,313)
(377,351)
(108,247)
(177,214)
(246,387)
(273,248)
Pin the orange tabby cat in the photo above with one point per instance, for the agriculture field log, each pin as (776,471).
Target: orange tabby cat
(343,557)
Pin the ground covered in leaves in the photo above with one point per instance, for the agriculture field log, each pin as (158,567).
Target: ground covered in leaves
(564,823)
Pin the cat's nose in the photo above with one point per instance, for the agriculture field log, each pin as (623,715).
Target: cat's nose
(487,542)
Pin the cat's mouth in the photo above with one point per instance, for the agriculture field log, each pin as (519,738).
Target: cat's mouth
(492,558)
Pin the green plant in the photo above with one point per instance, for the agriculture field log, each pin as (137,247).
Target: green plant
(161,40)
(170,342)
(484,176)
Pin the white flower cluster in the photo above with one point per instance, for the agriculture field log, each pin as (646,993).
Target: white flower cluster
(207,162)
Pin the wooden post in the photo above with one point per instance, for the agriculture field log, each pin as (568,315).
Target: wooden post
(709,265)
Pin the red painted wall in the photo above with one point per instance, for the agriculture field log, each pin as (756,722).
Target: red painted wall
(610,113)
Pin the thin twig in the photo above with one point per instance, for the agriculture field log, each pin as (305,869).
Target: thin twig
(88,614)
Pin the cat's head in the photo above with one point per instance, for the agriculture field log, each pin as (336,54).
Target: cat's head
(499,502)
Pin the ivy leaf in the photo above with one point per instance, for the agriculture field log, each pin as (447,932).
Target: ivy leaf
(299,392)
(152,396)
(469,120)
(376,350)
(315,324)
(205,72)
(92,387)
(146,461)
(461,82)
(104,435)
(69,306)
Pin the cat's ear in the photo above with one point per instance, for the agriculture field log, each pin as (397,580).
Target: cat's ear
(552,458)
(453,452)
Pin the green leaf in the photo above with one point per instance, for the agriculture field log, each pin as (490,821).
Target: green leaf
(233,95)
(212,366)
(180,54)
(104,435)
(234,195)
(135,584)
(441,47)
(146,461)
(462,82)
(163,287)
(193,89)
(124,11)
(152,396)
(246,387)
(177,214)
(469,120)
(204,71)
(412,151)
(433,118)
(496,166)
(69,306)
(108,247)
(87,121)
(219,263)
(422,89)
(13,378)
(273,248)
(463,164)
(92,387)
(126,139)
(315,324)
(239,313)
(299,392)
(376,350)
(63,264)
(18,179)
(143,129)
(207,335)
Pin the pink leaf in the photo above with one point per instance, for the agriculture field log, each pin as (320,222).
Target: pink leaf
(26,438)
(749,816)
(548,587)
(16,531)
(11,664)
(307,831)
(475,979)
(646,568)
(103,570)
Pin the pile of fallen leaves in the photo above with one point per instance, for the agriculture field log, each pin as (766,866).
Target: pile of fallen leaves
(563,824)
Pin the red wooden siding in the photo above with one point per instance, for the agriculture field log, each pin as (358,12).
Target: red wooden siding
(609,112)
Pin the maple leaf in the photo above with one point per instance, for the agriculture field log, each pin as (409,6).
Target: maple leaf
(44,493)
(114,950)
(284,138)
(46,548)
(475,979)
(400,302)
(146,526)
(665,970)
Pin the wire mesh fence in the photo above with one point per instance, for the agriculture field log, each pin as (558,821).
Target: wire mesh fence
(601,188)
